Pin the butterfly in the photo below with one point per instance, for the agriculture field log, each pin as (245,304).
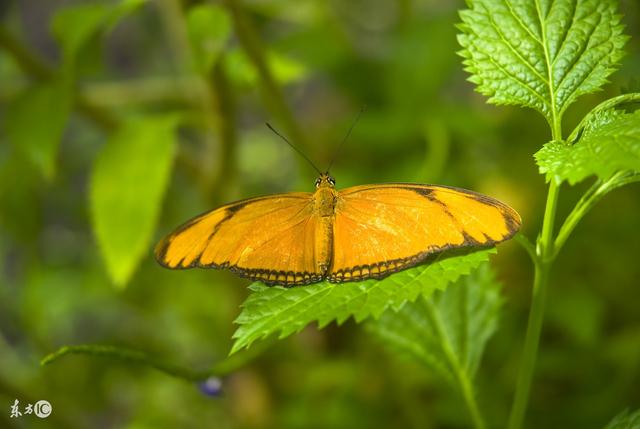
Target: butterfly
(357,233)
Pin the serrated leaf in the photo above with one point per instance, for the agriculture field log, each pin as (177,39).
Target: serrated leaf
(610,143)
(624,420)
(541,54)
(35,122)
(209,27)
(446,332)
(277,310)
(127,185)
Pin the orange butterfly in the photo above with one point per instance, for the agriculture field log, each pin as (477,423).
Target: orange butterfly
(363,232)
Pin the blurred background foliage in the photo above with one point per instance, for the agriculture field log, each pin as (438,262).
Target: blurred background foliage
(159,107)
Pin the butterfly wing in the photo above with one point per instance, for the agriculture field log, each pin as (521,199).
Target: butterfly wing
(271,239)
(381,229)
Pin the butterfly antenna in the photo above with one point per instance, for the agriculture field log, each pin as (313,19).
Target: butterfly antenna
(293,147)
(344,140)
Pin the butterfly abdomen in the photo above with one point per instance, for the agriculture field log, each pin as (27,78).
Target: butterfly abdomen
(324,201)
(324,244)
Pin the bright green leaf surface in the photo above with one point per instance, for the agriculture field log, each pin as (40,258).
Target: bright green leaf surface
(446,332)
(625,420)
(209,28)
(610,143)
(126,194)
(271,310)
(540,53)
(35,123)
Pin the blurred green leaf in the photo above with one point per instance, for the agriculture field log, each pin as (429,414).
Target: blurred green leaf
(35,122)
(624,420)
(541,54)
(611,143)
(75,26)
(209,27)
(446,332)
(271,310)
(244,73)
(127,185)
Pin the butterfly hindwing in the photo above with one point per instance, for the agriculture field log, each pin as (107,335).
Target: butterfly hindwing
(361,232)
(381,229)
(271,239)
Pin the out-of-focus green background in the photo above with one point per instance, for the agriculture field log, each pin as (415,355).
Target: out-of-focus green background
(326,59)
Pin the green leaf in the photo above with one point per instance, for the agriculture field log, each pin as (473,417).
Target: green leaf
(610,143)
(244,73)
(446,332)
(271,310)
(209,27)
(128,182)
(35,122)
(75,26)
(624,420)
(541,54)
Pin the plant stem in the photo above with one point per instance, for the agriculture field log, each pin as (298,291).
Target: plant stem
(137,357)
(545,254)
(127,355)
(532,340)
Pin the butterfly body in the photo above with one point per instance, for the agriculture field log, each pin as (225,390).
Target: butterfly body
(362,232)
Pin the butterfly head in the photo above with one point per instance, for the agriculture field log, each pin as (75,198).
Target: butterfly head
(325,181)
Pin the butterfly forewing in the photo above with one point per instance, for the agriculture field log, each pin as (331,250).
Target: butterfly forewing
(359,233)
(380,229)
(270,239)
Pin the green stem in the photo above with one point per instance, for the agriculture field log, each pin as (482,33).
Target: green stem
(462,376)
(532,340)
(545,254)
(545,242)
(175,25)
(225,105)
(127,355)
(137,357)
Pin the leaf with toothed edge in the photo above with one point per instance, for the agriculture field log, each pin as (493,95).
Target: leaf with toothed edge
(278,310)
(542,54)
(625,420)
(610,143)
(446,332)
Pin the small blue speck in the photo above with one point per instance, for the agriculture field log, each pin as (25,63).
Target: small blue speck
(212,386)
